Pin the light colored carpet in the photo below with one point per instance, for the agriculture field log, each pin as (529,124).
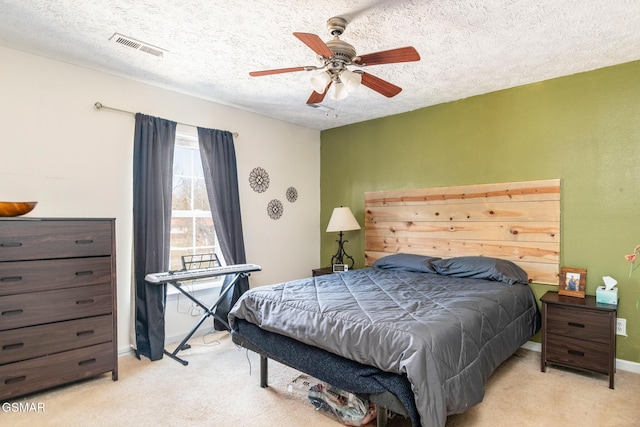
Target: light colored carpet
(219,387)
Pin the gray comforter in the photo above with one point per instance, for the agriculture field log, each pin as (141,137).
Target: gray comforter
(447,334)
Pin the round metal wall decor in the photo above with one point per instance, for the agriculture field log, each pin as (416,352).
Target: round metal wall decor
(259,180)
(292,194)
(275,209)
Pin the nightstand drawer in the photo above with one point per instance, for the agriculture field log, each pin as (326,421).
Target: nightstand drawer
(579,323)
(578,353)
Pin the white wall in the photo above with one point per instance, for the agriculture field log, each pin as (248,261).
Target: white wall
(76,161)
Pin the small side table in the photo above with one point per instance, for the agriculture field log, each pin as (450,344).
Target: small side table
(578,333)
(321,271)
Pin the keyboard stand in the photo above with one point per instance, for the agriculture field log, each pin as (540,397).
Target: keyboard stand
(209,311)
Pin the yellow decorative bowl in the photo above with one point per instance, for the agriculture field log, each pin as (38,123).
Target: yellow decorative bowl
(16,208)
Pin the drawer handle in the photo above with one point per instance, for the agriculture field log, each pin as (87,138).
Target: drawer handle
(84,333)
(84,242)
(12,312)
(11,279)
(15,380)
(576,352)
(10,245)
(576,325)
(87,362)
(84,273)
(13,346)
(85,301)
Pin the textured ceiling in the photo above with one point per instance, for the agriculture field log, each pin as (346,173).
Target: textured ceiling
(467,47)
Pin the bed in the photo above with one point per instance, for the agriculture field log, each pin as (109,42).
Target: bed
(417,333)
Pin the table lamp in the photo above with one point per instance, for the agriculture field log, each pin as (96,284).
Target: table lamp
(342,220)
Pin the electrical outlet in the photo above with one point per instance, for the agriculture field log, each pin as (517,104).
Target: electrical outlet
(621,327)
(196,310)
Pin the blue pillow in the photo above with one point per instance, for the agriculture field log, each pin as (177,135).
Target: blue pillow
(479,267)
(407,262)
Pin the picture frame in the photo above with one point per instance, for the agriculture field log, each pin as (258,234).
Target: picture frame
(572,282)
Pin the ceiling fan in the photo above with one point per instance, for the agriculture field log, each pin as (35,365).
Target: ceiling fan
(336,56)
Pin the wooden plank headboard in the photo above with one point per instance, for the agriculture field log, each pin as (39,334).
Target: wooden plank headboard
(517,221)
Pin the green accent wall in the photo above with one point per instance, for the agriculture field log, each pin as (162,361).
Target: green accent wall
(583,129)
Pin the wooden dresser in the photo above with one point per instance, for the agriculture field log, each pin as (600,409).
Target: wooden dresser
(578,333)
(57,302)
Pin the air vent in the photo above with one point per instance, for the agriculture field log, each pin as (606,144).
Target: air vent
(138,45)
(320,107)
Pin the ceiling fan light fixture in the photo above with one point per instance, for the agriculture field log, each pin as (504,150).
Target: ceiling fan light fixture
(338,91)
(319,82)
(350,79)
(334,79)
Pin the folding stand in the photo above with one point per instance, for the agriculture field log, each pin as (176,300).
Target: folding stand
(198,267)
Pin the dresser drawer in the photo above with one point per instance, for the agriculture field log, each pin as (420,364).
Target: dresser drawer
(36,308)
(35,341)
(40,239)
(579,323)
(18,277)
(578,353)
(24,377)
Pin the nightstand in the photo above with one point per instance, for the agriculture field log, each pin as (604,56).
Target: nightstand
(321,271)
(578,333)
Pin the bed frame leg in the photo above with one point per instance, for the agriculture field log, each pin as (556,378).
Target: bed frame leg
(264,372)
(382,417)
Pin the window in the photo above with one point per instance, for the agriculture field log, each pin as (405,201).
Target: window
(192,231)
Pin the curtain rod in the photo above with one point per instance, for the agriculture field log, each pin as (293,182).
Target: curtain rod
(99,106)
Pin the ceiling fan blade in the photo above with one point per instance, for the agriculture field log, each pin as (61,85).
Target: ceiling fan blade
(278,71)
(315,43)
(401,54)
(383,87)
(316,97)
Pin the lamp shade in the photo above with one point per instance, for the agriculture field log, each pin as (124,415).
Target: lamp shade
(338,91)
(350,79)
(342,220)
(319,82)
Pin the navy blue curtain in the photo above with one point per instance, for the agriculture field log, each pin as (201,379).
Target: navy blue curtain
(221,179)
(154,140)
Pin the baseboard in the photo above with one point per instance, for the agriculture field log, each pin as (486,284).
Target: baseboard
(178,337)
(170,339)
(627,365)
(623,365)
(533,346)
(125,351)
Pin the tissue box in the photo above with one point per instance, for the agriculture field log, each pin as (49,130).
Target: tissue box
(607,296)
